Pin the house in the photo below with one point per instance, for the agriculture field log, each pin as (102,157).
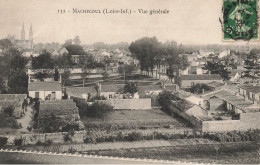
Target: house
(250,92)
(63,50)
(186,81)
(236,74)
(45,90)
(108,91)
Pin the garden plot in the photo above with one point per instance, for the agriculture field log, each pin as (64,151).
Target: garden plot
(135,119)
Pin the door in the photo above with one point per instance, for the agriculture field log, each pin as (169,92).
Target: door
(37,95)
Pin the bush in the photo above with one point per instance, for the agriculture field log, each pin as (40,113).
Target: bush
(135,136)
(9,111)
(3,141)
(6,121)
(18,142)
(99,109)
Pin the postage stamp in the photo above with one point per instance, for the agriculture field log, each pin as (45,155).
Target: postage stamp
(240,20)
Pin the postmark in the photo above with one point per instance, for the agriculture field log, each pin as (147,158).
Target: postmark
(240,20)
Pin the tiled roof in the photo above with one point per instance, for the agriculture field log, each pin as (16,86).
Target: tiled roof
(201,77)
(230,97)
(251,88)
(78,91)
(44,86)
(112,88)
(215,84)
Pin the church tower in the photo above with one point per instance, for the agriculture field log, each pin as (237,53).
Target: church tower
(23,33)
(31,33)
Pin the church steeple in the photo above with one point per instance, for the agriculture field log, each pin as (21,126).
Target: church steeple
(23,33)
(31,33)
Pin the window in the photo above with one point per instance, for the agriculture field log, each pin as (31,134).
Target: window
(110,96)
(192,83)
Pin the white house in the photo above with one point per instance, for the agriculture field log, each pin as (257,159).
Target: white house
(45,90)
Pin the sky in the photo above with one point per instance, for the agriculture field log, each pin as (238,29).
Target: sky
(188,21)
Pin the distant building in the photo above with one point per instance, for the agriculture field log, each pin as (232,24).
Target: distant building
(186,81)
(45,90)
(25,43)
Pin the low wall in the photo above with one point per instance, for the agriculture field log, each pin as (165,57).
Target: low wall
(138,104)
(247,121)
(220,125)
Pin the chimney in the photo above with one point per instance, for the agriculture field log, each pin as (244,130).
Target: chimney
(60,79)
(209,72)
(29,78)
(203,91)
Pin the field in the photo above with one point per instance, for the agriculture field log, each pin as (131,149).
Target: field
(147,122)
(237,153)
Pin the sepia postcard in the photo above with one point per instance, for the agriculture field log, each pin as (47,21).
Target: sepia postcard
(129,82)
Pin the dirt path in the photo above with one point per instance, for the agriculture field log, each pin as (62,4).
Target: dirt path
(25,120)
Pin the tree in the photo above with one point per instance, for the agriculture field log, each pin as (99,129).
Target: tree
(216,67)
(76,40)
(18,82)
(75,50)
(198,88)
(173,60)
(105,75)
(64,63)
(87,64)
(126,70)
(164,100)
(43,61)
(252,65)
(130,87)
(41,76)
(145,50)
(56,74)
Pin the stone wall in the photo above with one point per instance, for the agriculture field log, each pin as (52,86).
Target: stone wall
(247,121)
(138,104)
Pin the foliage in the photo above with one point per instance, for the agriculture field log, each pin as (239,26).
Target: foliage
(252,65)
(164,100)
(87,64)
(126,70)
(145,50)
(18,82)
(75,49)
(43,61)
(99,109)
(41,76)
(130,87)
(3,141)
(6,121)
(216,67)
(105,75)
(9,111)
(56,74)
(171,56)
(18,142)
(68,136)
(199,87)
